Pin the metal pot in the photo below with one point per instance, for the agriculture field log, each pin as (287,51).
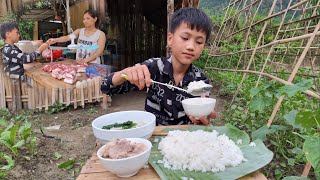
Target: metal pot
(27,46)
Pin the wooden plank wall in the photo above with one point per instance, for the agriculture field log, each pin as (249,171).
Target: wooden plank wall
(137,38)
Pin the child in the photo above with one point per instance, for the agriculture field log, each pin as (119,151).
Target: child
(12,57)
(189,30)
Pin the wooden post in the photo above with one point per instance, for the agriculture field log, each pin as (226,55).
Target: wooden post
(2,88)
(16,95)
(35,30)
(170,10)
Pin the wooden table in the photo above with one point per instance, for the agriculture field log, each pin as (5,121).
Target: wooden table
(93,170)
(44,90)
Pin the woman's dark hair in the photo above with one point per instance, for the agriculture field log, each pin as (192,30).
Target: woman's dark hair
(194,18)
(7,27)
(94,14)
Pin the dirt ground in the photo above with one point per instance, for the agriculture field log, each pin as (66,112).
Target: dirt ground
(74,139)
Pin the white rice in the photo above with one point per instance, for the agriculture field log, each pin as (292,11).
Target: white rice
(199,151)
(239,141)
(196,85)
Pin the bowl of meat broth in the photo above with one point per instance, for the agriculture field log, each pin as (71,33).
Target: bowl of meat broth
(125,157)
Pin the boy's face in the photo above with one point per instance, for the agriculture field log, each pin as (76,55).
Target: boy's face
(13,35)
(186,44)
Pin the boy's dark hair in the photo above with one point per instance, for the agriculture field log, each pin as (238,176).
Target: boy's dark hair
(94,14)
(7,27)
(194,18)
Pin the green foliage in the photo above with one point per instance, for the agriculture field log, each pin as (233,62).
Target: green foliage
(262,132)
(308,119)
(56,107)
(1,43)
(57,155)
(25,26)
(67,165)
(253,106)
(16,139)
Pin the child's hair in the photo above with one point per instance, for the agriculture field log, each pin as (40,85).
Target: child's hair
(7,27)
(94,14)
(194,18)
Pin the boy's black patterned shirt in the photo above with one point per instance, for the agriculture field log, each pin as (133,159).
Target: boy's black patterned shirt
(13,60)
(162,101)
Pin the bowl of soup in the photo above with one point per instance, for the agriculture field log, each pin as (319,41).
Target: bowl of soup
(124,124)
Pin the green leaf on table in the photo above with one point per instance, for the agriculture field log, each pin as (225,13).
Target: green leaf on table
(311,148)
(292,90)
(290,119)
(308,119)
(67,164)
(263,131)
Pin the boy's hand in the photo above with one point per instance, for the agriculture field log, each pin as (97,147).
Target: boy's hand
(202,120)
(52,41)
(138,75)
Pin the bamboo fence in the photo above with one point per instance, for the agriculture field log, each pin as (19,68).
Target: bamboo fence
(295,44)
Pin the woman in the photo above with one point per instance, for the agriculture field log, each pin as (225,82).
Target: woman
(89,35)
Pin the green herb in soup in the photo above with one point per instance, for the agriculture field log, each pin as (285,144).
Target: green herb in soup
(125,125)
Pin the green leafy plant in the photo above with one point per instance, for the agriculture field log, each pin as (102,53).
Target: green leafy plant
(67,165)
(56,107)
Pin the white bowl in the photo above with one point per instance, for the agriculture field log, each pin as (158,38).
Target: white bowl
(198,106)
(128,166)
(145,131)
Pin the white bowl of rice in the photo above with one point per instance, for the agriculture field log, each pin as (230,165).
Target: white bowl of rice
(198,106)
(144,125)
(125,165)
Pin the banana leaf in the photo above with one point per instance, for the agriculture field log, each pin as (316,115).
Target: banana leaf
(258,156)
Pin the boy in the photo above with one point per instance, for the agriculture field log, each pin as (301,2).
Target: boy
(189,30)
(12,57)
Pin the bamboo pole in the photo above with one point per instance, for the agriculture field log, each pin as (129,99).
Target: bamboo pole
(308,92)
(271,16)
(254,50)
(2,84)
(282,41)
(272,47)
(291,77)
(306,169)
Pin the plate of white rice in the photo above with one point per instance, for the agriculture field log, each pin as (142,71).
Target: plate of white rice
(199,152)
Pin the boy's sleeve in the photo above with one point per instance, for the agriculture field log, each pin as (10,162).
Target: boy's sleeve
(19,57)
(108,88)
